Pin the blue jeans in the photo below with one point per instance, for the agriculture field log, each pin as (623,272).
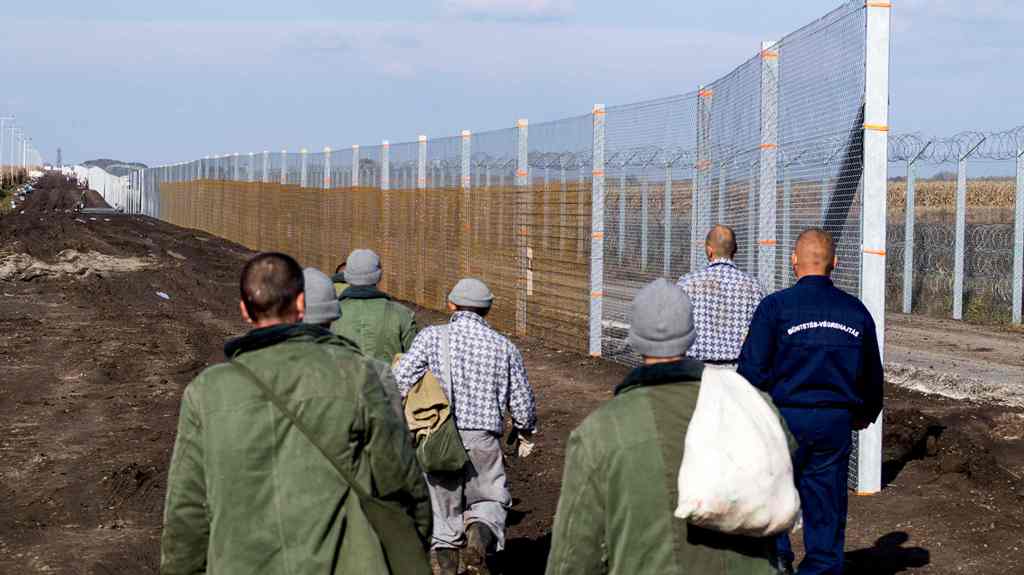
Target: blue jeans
(820,466)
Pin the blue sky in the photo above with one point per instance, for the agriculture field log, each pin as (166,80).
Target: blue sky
(160,81)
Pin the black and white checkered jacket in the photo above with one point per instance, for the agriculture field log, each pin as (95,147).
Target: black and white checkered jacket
(488,375)
(724,299)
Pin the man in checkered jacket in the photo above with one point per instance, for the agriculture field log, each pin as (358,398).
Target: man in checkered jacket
(724,299)
(488,382)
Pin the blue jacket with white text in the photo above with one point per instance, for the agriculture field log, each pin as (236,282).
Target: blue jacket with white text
(814,345)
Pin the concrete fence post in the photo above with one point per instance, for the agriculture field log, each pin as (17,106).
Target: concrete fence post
(597,233)
(284,167)
(251,172)
(465,182)
(1018,239)
(522,184)
(752,227)
(667,223)
(702,168)
(303,168)
(622,215)
(385,165)
(643,217)
(355,166)
(327,168)
(265,176)
(909,231)
(873,216)
(421,164)
(767,239)
(961,232)
(236,175)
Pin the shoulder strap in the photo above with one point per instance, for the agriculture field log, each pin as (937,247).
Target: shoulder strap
(385,323)
(446,362)
(279,403)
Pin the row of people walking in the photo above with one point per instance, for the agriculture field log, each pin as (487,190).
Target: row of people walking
(295,455)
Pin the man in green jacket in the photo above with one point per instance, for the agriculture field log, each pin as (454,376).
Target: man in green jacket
(247,491)
(620,489)
(382,328)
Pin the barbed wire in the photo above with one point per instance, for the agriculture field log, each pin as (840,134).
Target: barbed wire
(1005,145)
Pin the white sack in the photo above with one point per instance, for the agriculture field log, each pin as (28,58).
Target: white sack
(736,475)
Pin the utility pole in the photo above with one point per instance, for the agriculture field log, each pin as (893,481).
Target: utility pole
(3,120)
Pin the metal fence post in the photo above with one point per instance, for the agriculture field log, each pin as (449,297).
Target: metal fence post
(597,233)
(327,168)
(643,217)
(873,213)
(701,170)
(236,174)
(622,213)
(355,166)
(523,191)
(284,167)
(251,172)
(722,191)
(767,239)
(909,231)
(752,228)
(465,182)
(421,164)
(303,168)
(265,178)
(1018,238)
(961,232)
(667,224)
(385,165)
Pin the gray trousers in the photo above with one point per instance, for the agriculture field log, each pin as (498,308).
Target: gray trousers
(479,494)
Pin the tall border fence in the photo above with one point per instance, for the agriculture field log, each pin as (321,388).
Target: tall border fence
(567,219)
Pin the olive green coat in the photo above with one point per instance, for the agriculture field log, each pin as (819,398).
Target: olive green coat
(381,327)
(620,489)
(249,494)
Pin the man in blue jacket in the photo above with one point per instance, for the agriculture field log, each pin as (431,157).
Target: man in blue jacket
(814,348)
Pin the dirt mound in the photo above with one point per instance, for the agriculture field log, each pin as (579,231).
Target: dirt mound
(69,263)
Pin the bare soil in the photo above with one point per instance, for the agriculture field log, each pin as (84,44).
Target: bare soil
(94,364)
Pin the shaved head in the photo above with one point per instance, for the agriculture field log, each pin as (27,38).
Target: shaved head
(720,243)
(814,253)
(270,285)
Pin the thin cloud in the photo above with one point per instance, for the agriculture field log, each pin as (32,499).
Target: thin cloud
(511,10)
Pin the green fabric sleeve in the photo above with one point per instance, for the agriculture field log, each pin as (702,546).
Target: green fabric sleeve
(579,544)
(186,531)
(396,473)
(409,331)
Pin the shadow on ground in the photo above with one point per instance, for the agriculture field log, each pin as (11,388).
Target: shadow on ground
(889,555)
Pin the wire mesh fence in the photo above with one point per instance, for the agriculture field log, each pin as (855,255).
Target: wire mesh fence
(566,220)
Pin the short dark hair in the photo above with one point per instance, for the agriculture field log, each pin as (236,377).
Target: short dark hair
(340,268)
(270,284)
(480,311)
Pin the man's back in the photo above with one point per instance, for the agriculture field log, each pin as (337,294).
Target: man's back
(620,488)
(271,502)
(724,299)
(813,345)
(381,327)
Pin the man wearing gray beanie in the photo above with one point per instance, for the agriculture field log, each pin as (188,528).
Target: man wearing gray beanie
(487,382)
(321,304)
(619,488)
(381,327)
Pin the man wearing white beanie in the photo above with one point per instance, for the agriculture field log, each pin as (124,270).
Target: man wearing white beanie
(488,382)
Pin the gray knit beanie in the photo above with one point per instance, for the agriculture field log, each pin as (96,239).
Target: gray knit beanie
(662,320)
(321,302)
(363,268)
(471,292)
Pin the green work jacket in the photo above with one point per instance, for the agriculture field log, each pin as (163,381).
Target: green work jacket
(381,327)
(620,489)
(249,494)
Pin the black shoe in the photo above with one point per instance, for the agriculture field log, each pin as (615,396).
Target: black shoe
(447,561)
(480,542)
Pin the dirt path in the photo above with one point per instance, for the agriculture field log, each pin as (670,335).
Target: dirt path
(95,362)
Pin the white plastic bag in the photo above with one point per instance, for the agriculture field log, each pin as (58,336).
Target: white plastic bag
(736,475)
